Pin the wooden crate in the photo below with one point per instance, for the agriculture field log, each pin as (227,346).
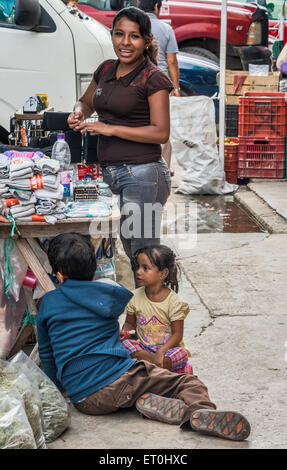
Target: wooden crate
(252,83)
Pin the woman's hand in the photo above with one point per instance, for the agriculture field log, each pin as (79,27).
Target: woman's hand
(95,128)
(75,119)
(175,92)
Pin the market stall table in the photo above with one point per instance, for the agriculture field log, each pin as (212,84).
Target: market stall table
(27,244)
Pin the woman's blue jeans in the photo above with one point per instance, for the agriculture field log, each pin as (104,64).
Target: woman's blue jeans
(143,191)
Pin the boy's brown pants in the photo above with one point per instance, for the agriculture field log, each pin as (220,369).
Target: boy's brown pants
(145,377)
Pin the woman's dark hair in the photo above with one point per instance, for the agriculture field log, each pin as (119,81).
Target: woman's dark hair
(162,257)
(73,255)
(142,19)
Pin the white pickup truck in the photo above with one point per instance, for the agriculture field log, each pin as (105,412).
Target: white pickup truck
(46,49)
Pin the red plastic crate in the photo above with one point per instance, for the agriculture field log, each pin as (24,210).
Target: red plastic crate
(262,115)
(231,157)
(231,176)
(261,158)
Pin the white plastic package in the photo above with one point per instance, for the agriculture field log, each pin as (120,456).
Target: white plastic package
(15,430)
(88,209)
(15,377)
(55,410)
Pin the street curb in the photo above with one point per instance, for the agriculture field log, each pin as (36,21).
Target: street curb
(260,210)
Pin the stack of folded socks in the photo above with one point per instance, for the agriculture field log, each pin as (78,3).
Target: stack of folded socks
(49,197)
(4,175)
(30,185)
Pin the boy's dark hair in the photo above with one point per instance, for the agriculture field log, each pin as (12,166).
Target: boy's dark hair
(73,255)
(148,5)
(163,258)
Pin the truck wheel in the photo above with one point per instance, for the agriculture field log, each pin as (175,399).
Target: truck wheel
(201,52)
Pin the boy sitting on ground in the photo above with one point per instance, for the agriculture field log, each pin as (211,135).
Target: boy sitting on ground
(81,351)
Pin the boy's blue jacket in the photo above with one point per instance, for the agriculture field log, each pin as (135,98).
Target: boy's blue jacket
(78,336)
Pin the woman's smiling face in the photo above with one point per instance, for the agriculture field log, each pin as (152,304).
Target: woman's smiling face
(129,44)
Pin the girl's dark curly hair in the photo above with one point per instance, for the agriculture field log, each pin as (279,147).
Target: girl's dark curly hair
(163,258)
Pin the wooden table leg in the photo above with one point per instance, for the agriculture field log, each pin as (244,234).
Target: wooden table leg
(35,265)
(25,248)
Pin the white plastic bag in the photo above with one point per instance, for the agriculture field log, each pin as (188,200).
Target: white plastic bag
(55,410)
(19,267)
(10,321)
(15,430)
(193,138)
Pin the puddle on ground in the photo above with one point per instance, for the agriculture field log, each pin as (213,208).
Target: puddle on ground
(222,214)
(213,214)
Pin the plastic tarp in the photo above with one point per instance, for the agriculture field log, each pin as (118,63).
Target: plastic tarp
(193,137)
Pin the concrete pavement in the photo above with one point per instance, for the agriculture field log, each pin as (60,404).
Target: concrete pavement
(236,331)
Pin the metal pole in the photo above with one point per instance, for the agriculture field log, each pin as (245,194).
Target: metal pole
(223,32)
(282,20)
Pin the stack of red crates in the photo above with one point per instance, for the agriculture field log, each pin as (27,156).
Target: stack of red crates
(262,135)
(231,159)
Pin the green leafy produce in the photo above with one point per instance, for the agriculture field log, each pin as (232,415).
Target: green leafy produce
(55,410)
(11,379)
(15,430)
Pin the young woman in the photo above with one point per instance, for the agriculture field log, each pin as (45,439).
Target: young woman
(131,98)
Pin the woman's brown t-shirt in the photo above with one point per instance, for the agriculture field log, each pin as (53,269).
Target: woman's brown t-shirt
(124,102)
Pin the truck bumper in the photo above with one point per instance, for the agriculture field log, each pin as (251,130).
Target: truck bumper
(253,55)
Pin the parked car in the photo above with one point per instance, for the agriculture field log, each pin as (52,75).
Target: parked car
(198,77)
(197,23)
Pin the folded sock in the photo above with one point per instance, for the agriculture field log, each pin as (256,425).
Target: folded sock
(23,212)
(19,163)
(46,206)
(4,189)
(4,166)
(21,183)
(49,182)
(13,201)
(49,209)
(46,166)
(21,174)
(31,218)
(45,194)
(23,196)
(16,154)
(19,209)
(21,168)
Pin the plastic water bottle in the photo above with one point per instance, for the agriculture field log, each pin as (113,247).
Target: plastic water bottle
(61,152)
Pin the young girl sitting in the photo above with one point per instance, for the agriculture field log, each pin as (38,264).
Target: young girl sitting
(156,311)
